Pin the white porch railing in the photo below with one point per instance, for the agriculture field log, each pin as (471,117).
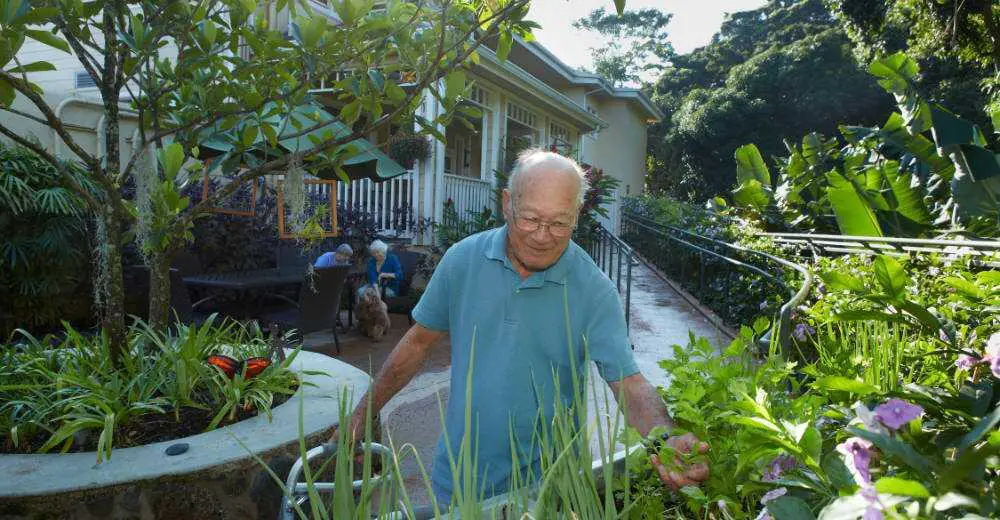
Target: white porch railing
(391,202)
(468,194)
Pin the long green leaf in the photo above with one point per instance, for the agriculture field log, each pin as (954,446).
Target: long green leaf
(908,194)
(854,215)
(896,450)
(750,166)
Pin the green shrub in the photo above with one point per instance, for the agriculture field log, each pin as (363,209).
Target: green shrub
(44,259)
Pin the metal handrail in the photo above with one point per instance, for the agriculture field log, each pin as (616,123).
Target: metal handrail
(898,246)
(630,218)
(612,255)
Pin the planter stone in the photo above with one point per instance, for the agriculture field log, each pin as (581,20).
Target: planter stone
(216,477)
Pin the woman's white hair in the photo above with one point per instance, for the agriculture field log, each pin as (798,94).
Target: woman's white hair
(535,158)
(378,246)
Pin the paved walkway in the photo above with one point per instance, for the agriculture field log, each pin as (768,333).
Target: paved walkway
(660,318)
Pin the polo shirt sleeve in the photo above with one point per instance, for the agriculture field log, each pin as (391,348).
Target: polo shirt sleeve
(607,339)
(433,309)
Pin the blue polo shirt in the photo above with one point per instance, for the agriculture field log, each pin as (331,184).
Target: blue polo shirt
(520,332)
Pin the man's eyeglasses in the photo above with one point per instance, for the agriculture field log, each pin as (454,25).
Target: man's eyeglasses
(531,224)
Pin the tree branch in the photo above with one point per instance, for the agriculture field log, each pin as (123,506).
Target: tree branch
(52,121)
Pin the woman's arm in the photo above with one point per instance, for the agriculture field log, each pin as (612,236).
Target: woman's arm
(372,272)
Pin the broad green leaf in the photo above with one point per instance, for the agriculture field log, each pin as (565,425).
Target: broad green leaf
(38,15)
(506,43)
(171,159)
(620,6)
(838,280)
(890,275)
(950,130)
(751,194)
(897,450)
(921,314)
(897,74)
(48,39)
(908,194)
(899,486)
(454,84)
(377,79)
(961,470)
(789,508)
(394,92)
(854,216)
(351,112)
(11,10)
(750,165)
(812,444)
(843,384)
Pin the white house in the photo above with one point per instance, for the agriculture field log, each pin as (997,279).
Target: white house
(531,99)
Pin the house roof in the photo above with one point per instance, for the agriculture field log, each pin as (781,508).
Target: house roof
(585,79)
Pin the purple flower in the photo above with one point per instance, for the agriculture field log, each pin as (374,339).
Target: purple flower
(965,362)
(802,331)
(943,336)
(896,413)
(873,511)
(778,466)
(859,456)
(773,494)
(993,354)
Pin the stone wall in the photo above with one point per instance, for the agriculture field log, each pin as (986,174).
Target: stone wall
(238,490)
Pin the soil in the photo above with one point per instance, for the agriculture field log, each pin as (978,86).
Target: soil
(145,429)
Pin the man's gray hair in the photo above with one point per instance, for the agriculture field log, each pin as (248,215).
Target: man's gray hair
(533,158)
(378,246)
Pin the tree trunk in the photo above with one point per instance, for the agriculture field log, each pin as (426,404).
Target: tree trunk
(110,93)
(159,291)
(113,319)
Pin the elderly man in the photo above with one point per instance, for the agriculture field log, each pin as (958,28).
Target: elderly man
(507,291)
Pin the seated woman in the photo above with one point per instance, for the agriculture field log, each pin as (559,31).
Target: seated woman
(342,256)
(383,270)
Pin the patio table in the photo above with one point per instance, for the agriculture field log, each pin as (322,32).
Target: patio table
(245,281)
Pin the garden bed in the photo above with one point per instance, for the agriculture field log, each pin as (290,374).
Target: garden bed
(217,477)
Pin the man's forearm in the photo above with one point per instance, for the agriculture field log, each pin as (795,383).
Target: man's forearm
(399,368)
(643,407)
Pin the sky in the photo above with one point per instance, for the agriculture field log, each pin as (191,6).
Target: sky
(693,24)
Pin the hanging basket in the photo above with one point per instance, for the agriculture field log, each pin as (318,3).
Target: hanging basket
(322,190)
(407,149)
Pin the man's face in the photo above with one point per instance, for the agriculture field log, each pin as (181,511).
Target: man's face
(546,196)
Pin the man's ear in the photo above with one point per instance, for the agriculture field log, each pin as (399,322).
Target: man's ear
(506,204)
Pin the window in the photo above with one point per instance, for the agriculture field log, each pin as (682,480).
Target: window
(83,80)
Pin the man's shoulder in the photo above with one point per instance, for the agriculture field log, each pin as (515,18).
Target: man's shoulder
(477,243)
(585,272)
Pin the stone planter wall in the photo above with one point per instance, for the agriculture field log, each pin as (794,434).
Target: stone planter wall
(216,478)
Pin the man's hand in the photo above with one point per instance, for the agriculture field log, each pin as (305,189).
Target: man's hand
(356,433)
(681,473)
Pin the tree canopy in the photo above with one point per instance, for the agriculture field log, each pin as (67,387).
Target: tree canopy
(770,74)
(637,43)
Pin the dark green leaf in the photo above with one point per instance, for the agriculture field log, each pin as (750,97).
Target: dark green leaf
(377,79)
(837,472)
(812,444)
(890,275)
(854,216)
(789,508)
(506,43)
(750,165)
(863,315)
(838,280)
(38,66)
(7,94)
(985,425)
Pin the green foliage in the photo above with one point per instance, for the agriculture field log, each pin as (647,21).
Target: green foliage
(637,43)
(44,258)
(782,70)
(955,43)
(454,227)
(61,393)
(924,168)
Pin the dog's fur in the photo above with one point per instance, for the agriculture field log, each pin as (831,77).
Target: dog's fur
(373,314)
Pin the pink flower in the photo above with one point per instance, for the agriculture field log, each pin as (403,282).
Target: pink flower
(858,453)
(896,413)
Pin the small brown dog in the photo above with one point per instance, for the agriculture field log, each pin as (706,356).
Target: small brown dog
(373,314)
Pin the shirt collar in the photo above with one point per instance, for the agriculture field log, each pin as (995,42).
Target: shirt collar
(496,249)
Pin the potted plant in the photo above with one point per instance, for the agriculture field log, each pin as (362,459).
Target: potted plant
(407,148)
